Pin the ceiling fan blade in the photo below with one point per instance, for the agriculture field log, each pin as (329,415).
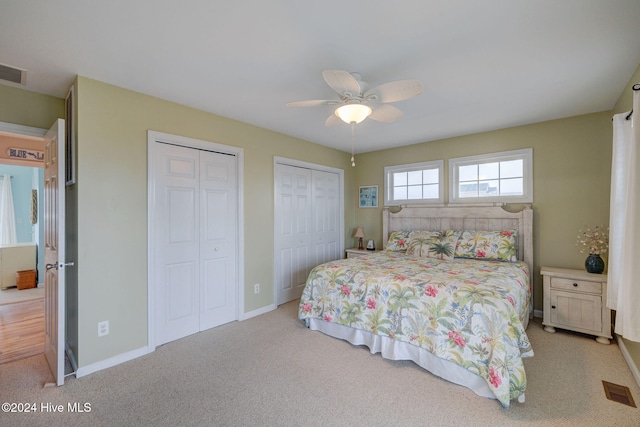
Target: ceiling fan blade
(386,113)
(342,82)
(394,91)
(333,120)
(311,103)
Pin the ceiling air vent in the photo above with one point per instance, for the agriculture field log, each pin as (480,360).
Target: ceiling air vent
(13,75)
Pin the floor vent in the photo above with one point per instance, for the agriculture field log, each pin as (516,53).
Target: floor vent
(618,393)
(13,75)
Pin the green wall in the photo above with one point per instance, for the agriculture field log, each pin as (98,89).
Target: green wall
(26,108)
(112,205)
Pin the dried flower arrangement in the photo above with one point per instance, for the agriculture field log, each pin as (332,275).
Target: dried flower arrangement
(593,241)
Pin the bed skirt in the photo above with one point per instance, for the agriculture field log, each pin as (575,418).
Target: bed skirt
(396,350)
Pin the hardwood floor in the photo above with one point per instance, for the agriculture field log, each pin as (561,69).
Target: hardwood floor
(21,330)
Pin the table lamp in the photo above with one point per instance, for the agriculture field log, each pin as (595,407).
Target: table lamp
(360,235)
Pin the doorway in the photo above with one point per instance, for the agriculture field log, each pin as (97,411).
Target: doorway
(195,245)
(22,304)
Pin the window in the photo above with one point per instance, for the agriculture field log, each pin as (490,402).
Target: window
(417,183)
(497,177)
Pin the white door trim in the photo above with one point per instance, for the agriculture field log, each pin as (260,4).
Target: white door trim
(153,138)
(26,131)
(313,166)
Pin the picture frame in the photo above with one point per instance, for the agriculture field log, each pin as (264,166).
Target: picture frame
(368,196)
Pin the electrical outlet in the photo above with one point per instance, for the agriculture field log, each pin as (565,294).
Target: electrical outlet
(256,288)
(103,328)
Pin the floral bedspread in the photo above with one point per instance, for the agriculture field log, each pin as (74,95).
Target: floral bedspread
(469,312)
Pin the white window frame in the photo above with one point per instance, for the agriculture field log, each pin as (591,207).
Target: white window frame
(526,155)
(388,183)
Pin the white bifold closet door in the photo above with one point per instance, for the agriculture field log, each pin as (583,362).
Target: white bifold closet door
(196,233)
(307,226)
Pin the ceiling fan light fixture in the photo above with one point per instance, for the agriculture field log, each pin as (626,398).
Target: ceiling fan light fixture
(353,113)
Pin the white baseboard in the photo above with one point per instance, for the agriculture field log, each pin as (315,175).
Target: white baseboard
(125,357)
(538,313)
(110,362)
(258,312)
(627,357)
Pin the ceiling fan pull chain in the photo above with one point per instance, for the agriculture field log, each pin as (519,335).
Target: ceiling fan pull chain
(353,127)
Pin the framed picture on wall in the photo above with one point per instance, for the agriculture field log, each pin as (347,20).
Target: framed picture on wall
(369,196)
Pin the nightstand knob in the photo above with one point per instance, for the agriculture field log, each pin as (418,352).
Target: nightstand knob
(553,306)
(575,285)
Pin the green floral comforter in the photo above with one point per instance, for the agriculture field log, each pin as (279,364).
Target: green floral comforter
(469,312)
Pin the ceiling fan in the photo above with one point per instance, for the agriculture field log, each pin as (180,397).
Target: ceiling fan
(357,101)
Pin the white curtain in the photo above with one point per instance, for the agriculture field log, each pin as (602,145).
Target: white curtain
(7,214)
(623,291)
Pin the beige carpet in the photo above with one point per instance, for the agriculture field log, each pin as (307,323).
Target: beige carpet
(271,371)
(13,295)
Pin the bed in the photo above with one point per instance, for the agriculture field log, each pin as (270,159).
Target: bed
(451,291)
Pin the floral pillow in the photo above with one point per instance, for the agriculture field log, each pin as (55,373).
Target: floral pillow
(491,245)
(398,241)
(433,244)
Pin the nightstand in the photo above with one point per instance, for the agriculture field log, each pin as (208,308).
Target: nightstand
(356,253)
(576,300)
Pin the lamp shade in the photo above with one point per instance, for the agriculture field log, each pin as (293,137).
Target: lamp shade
(360,233)
(353,113)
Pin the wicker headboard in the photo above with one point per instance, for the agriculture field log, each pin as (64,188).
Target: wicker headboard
(451,217)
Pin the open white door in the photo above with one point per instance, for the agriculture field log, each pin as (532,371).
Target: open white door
(54,254)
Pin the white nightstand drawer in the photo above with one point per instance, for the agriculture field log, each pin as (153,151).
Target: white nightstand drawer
(576,285)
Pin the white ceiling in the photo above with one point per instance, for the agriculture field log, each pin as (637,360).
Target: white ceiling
(483,64)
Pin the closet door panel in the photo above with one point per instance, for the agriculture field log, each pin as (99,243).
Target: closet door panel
(218,228)
(293,231)
(180,293)
(195,233)
(177,313)
(303,266)
(326,219)
(307,226)
(285,271)
(215,291)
